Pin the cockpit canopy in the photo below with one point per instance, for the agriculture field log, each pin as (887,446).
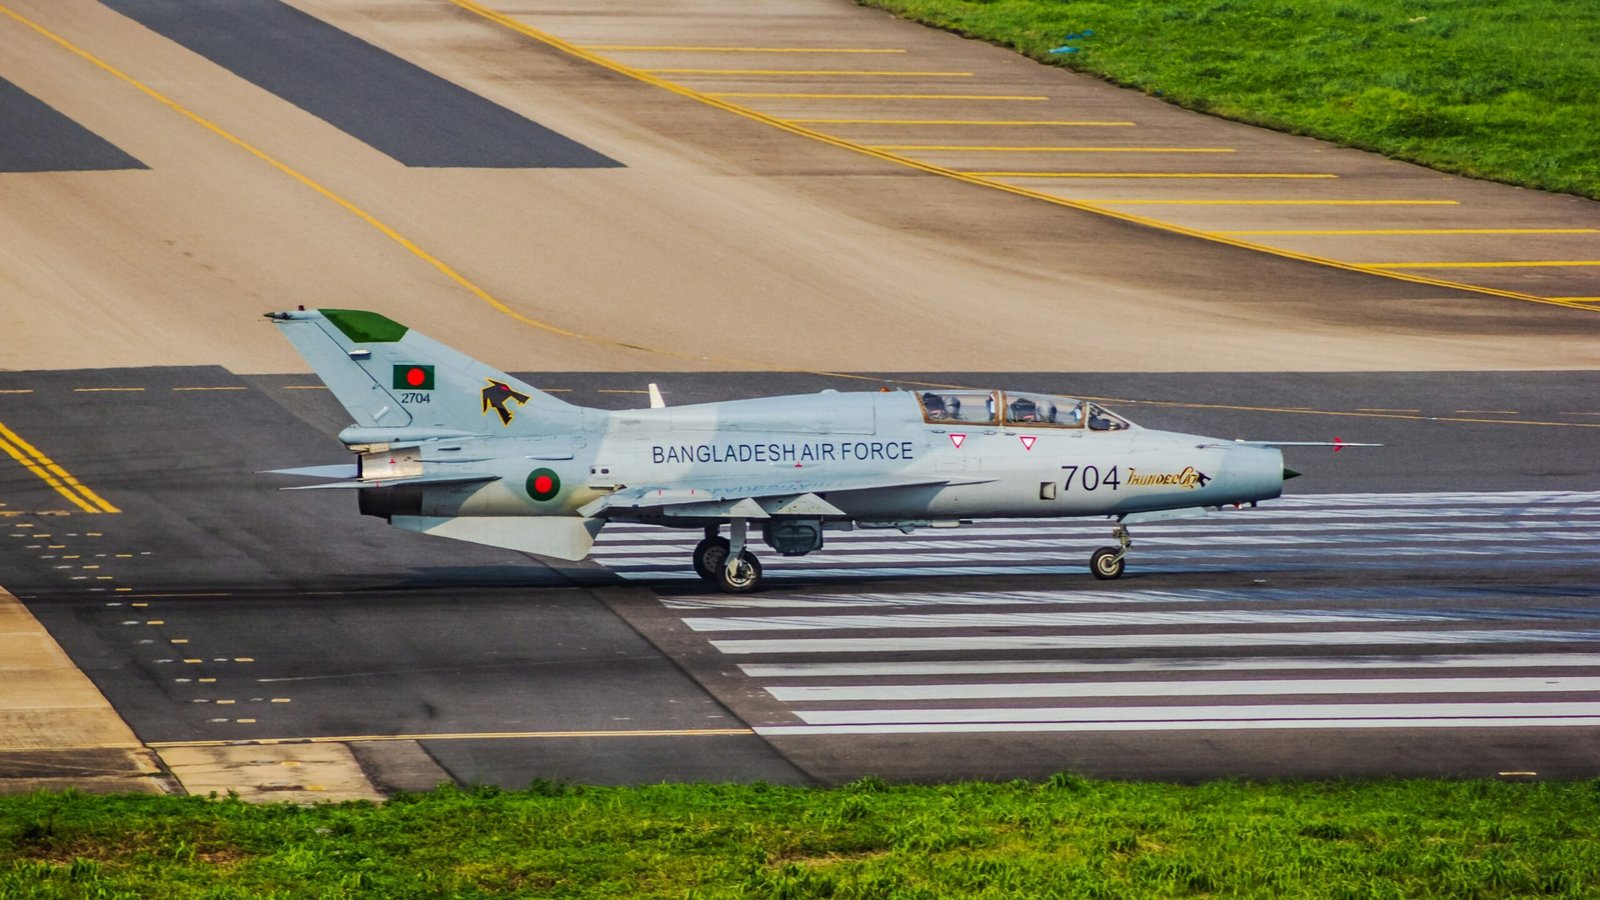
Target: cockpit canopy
(1016,408)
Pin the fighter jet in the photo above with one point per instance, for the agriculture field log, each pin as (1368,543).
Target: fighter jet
(448,446)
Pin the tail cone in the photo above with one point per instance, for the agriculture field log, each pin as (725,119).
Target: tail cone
(1289,473)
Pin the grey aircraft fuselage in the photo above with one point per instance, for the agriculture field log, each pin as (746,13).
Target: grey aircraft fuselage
(449,446)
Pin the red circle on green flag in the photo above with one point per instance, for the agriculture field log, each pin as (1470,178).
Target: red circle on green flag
(415,376)
(543,484)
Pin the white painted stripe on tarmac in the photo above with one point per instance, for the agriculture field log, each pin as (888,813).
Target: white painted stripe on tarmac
(1166,664)
(1404,712)
(782,731)
(1123,641)
(1109,619)
(1253,688)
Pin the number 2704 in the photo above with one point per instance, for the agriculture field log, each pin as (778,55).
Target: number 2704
(1089,477)
(416,397)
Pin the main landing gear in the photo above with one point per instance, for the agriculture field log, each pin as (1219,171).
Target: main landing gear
(1108,562)
(725,562)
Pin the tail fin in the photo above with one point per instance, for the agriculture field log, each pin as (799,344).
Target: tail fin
(390,377)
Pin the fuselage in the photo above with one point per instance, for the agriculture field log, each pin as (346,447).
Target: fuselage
(986,459)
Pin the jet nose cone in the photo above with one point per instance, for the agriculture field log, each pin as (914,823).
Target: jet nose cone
(1289,473)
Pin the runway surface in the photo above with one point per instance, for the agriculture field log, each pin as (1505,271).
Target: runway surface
(801,190)
(1425,627)
(804,224)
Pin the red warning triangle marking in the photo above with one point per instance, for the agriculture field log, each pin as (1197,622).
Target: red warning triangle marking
(1027,441)
(957,439)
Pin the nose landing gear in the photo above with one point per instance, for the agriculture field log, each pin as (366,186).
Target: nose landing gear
(725,562)
(1108,562)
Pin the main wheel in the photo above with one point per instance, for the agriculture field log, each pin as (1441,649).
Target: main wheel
(709,555)
(1106,564)
(746,576)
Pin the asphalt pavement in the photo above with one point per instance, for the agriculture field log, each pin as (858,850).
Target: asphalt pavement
(318,624)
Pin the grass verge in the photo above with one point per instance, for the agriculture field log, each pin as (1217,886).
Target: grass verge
(1067,837)
(1501,89)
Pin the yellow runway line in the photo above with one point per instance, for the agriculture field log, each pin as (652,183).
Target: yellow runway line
(1109,202)
(718,101)
(987,149)
(52,474)
(1510,264)
(1344,231)
(675,48)
(808,73)
(108,390)
(1007,123)
(814,96)
(438,264)
(1577,299)
(465,736)
(1149,175)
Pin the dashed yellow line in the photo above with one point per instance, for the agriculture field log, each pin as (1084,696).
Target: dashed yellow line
(1095,201)
(815,73)
(1151,174)
(552,41)
(18,391)
(1510,264)
(786,95)
(465,736)
(211,389)
(107,390)
(674,48)
(1344,231)
(46,469)
(384,229)
(991,149)
(990,122)
(305,387)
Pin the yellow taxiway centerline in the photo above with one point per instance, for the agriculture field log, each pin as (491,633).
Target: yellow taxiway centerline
(1150,175)
(1345,231)
(1510,264)
(998,123)
(818,96)
(717,101)
(808,73)
(52,474)
(462,736)
(387,231)
(988,149)
(1112,202)
(674,48)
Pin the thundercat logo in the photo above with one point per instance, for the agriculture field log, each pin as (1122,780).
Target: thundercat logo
(1189,478)
(497,395)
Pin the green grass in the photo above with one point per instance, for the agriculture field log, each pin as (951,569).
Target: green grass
(1066,838)
(1501,89)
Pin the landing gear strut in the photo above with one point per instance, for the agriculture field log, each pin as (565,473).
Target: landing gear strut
(725,562)
(1108,562)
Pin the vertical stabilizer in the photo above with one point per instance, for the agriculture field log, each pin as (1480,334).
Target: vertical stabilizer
(389,376)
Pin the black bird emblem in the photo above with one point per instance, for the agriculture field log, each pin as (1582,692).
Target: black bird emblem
(496,395)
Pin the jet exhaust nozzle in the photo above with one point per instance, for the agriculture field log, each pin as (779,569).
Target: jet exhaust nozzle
(1289,473)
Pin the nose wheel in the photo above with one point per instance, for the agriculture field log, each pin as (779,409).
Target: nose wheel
(716,561)
(1108,562)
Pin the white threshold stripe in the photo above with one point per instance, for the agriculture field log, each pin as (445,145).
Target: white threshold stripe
(1255,522)
(1192,664)
(782,731)
(1186,617)
(1248,688)
(1249,550)
(1032,546)
(1273,712)
(871,600)
(1186,641)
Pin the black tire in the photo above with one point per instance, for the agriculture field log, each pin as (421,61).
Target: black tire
(1105,564)
(748,579)
(709,555)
